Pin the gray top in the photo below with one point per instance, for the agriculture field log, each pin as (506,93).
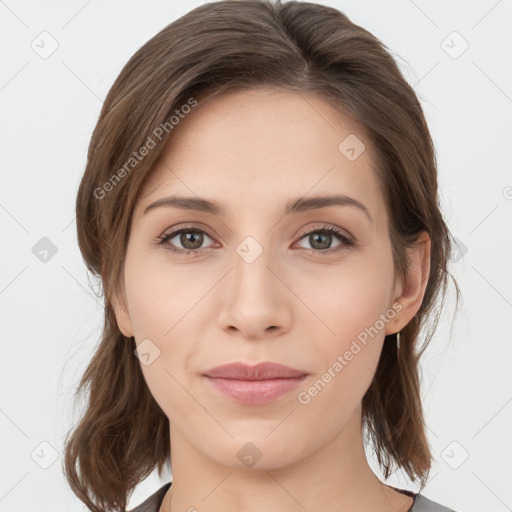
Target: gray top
(420,503)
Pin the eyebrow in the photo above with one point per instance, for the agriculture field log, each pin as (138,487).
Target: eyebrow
(300,204)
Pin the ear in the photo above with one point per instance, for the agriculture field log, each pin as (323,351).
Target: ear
(121,311)
(410,293)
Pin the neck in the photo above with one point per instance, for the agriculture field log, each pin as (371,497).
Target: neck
(336,477)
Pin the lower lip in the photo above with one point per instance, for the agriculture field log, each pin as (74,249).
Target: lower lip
(254,392)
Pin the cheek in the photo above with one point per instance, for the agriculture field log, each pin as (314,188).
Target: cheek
(348,356)
(354,308)
(160,296)
(166,319)
(348,299)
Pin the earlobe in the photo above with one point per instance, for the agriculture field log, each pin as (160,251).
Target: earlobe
(415,282)
(121,311)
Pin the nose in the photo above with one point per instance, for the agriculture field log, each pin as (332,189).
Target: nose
(256,303)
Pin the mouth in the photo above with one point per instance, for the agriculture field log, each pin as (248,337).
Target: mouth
(252,385)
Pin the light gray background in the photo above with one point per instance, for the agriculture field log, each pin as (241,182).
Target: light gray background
(51,320)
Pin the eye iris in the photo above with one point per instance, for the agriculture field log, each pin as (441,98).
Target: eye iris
(194,237)
(323,245)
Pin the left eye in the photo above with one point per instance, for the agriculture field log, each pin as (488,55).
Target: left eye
(323,238)
(191,240)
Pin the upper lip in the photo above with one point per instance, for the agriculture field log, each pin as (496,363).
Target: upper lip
(261,371)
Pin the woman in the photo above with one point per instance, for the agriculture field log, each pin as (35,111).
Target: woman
(260,203)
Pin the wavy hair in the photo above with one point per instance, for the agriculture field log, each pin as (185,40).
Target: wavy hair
(223,46)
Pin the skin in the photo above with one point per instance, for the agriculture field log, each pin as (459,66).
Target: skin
(252,151)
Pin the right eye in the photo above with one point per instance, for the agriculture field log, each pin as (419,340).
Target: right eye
(191,239)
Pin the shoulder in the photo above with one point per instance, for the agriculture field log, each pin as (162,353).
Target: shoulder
(153,502)
(423,504)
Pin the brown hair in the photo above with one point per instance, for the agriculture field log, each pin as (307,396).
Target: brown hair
(217,47)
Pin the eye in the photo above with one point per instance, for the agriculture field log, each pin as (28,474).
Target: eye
(191,240)
(321,239)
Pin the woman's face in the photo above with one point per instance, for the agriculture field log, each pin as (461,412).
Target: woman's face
(261,284)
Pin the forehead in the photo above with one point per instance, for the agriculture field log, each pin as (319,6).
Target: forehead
(259,147)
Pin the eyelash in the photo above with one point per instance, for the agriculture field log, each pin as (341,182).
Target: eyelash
(346,242)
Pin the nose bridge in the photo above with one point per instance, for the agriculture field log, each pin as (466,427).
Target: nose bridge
(251,274)
(253,297)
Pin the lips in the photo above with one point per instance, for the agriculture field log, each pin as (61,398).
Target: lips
(262,371)
(254,385)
